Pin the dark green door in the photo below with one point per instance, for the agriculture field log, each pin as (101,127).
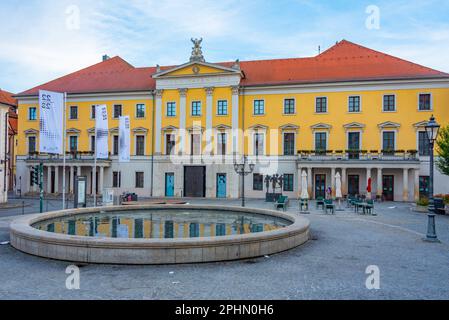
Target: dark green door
(388,187)
(320,185)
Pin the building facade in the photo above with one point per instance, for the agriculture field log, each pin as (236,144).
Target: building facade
(350,110)
(8,130)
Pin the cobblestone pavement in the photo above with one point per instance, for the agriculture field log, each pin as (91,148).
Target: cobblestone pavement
(330,266)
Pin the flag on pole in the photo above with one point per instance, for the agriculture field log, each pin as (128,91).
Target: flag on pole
(51,120)
(124,139)
(101,132)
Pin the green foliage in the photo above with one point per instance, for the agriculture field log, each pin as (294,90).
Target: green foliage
(442,161)
(424,202)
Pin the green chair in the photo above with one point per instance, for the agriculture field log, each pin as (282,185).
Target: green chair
(281,203)
(320,202)
(329,205)
(368,207)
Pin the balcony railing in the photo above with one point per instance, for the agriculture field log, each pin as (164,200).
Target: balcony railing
(359,155)
(70,155)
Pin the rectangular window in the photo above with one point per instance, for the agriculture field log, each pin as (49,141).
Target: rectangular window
(194,230)
(196,108)
(320,141)
(117,111)
(92,143)
(257,182)
(259,107)
(140,111)
(140,145)
(321,105)
(220,229)
(116,179)
(73,143)
(73,113)
(31,144)
(92,112)
(288,182)
(425,101)
(354,104)
(289,106)
(222,107)
(195,144)
(170,144)
(221,143)
(289,144)
(258,144)
(388,142)
(389,102)
(139,180)
(423,144)
(168,229)
(171,109)
(32,114)
(115,145)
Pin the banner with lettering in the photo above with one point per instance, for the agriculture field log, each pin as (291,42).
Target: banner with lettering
(51,121)
(102,132)
(124,139)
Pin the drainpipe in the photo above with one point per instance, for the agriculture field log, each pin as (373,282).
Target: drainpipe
(152,143)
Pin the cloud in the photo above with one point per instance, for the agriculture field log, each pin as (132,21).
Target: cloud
(41,47)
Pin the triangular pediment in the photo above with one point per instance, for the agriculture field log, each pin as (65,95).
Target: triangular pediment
(389,124)
(354,125)
(289,126)
(421,124)
(320,125)
(196,68)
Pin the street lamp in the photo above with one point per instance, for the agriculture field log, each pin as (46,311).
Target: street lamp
(241,170)
(432,133)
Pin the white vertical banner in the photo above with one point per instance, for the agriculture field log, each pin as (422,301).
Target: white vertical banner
(51,120)
(124,145)
(101,132)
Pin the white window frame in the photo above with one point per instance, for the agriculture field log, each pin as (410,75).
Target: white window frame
(70,113)
(314,139)
(91,113)
(166,109)
(395,102)
(327,105)
(227,108)
(360,103)
(264,143)
(118,144)
(200,134)
(113,110)
(382,138)
(431,101)
(35,143)
(138,134)
(294,107)
(171,133)
(294,142)
(360,132)
(77,142)
(264,108)
(29,114)
(201,108)
(144,111)
(226,139)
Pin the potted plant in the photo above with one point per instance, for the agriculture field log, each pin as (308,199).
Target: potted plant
(422,204)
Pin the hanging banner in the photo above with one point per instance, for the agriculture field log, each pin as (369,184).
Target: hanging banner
(124,145)
(102,132)
(51,120)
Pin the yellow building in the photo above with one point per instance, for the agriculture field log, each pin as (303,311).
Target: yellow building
(350,111)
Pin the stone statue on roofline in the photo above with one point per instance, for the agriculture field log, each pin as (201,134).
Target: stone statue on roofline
(197,52)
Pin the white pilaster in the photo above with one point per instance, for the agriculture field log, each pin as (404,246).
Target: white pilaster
(368,176)
(48,179)
(235,119)
(94,181)
(71,178)
(158,120)
(333,182)
(100,184)
(309,182)
(209,115)
(416,185)
(182,120)
(405,185)
(344,183)
(379,182)
(56,179)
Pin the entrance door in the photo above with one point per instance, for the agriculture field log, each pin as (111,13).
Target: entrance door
(170,184)
(388,187)
(353,185)
(195,182)
(320,185)
(221,185)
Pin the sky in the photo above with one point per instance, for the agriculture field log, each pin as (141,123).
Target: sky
(46,39)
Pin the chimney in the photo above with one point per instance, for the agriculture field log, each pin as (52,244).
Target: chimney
(106,57)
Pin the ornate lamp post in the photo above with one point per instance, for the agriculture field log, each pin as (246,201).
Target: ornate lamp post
(432,133)
(241,170)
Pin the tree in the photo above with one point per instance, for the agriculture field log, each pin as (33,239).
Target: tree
(442,161)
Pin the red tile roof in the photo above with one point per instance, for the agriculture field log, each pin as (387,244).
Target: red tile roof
(345,61)
(7,98)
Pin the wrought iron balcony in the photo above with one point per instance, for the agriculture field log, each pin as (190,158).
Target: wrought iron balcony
(358,155)
(70,156)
